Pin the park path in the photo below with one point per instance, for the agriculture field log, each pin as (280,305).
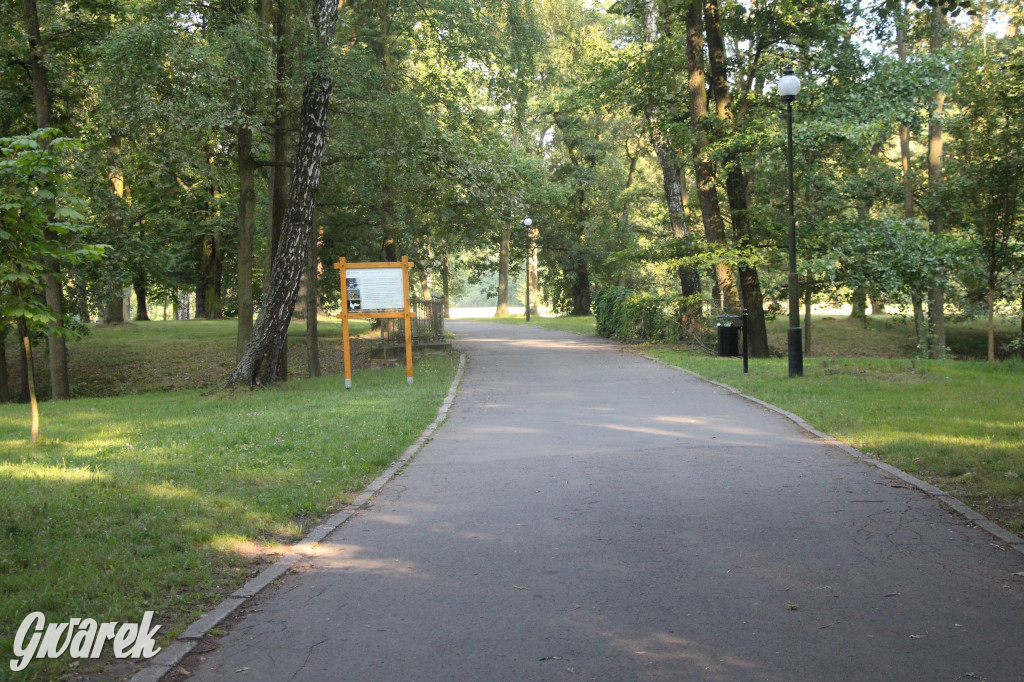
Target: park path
(588,514)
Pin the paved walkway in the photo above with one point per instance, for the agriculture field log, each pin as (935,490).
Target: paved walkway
(588,514)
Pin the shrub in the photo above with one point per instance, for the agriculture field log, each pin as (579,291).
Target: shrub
(628,316)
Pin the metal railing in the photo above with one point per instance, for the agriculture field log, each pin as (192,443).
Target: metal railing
(427,324)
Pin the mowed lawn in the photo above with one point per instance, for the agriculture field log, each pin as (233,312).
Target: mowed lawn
(169,500)
(139,357)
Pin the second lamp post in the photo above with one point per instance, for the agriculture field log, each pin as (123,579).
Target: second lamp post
(789,86)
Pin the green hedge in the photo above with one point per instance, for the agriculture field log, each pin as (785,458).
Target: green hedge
(628,316)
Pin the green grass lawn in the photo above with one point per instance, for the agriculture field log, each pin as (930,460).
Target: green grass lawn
(958,425)
(168,501)
(138,357)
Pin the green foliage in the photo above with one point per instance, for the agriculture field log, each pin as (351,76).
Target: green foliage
(893,257)
(42,223)
(631,316)
(986,166)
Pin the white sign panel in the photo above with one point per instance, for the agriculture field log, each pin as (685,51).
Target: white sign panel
(375,290)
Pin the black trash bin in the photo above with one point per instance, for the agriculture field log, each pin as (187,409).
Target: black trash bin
(728,341)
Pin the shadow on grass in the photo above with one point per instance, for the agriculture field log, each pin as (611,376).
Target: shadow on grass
(167,502)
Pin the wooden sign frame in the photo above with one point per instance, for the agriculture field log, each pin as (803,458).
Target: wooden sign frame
(405,313)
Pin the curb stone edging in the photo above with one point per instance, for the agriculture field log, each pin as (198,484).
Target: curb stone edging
(172,654)
(978,520)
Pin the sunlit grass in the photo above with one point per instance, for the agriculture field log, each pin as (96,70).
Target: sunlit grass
(958,425)
(169,501)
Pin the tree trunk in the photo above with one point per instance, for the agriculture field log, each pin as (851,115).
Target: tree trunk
(200,301)
(936,213)
(53,290)
(23,359)
(908,179)
(26,344)
(703,167)
(60,385)
(212,266)
(920,325)
(446,288)
(904,130)
(503,256)
(672,185)
(312,303)
(673,181)
(111,306)
(424,284)
(182,306)
(990,301)
(5,377)
(281,172)
(261,362)
(735,184)
(859,302)
(808,302)
(139,285)
(581,289)
(246,236)
(532,281)
(113,313)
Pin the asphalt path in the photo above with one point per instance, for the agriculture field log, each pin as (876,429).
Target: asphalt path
(588,514)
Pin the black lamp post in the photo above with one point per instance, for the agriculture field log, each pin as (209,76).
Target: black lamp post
(789,86)
(526,223)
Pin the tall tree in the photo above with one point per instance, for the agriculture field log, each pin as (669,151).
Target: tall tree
(36,203)
(260,363)
(735,183)
(669,159)
(704,172)
(936,210)
(59,383)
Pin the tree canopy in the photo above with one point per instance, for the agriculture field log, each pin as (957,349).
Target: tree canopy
(644,138)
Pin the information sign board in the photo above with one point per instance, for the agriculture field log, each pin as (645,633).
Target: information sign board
(375,290)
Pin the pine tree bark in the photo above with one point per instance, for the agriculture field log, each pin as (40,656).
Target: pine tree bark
(262,359)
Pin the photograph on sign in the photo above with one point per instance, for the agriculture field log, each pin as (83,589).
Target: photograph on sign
(375,290)
(355,302)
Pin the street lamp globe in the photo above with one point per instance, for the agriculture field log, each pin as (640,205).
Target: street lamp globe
(527,222)
(789,86)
